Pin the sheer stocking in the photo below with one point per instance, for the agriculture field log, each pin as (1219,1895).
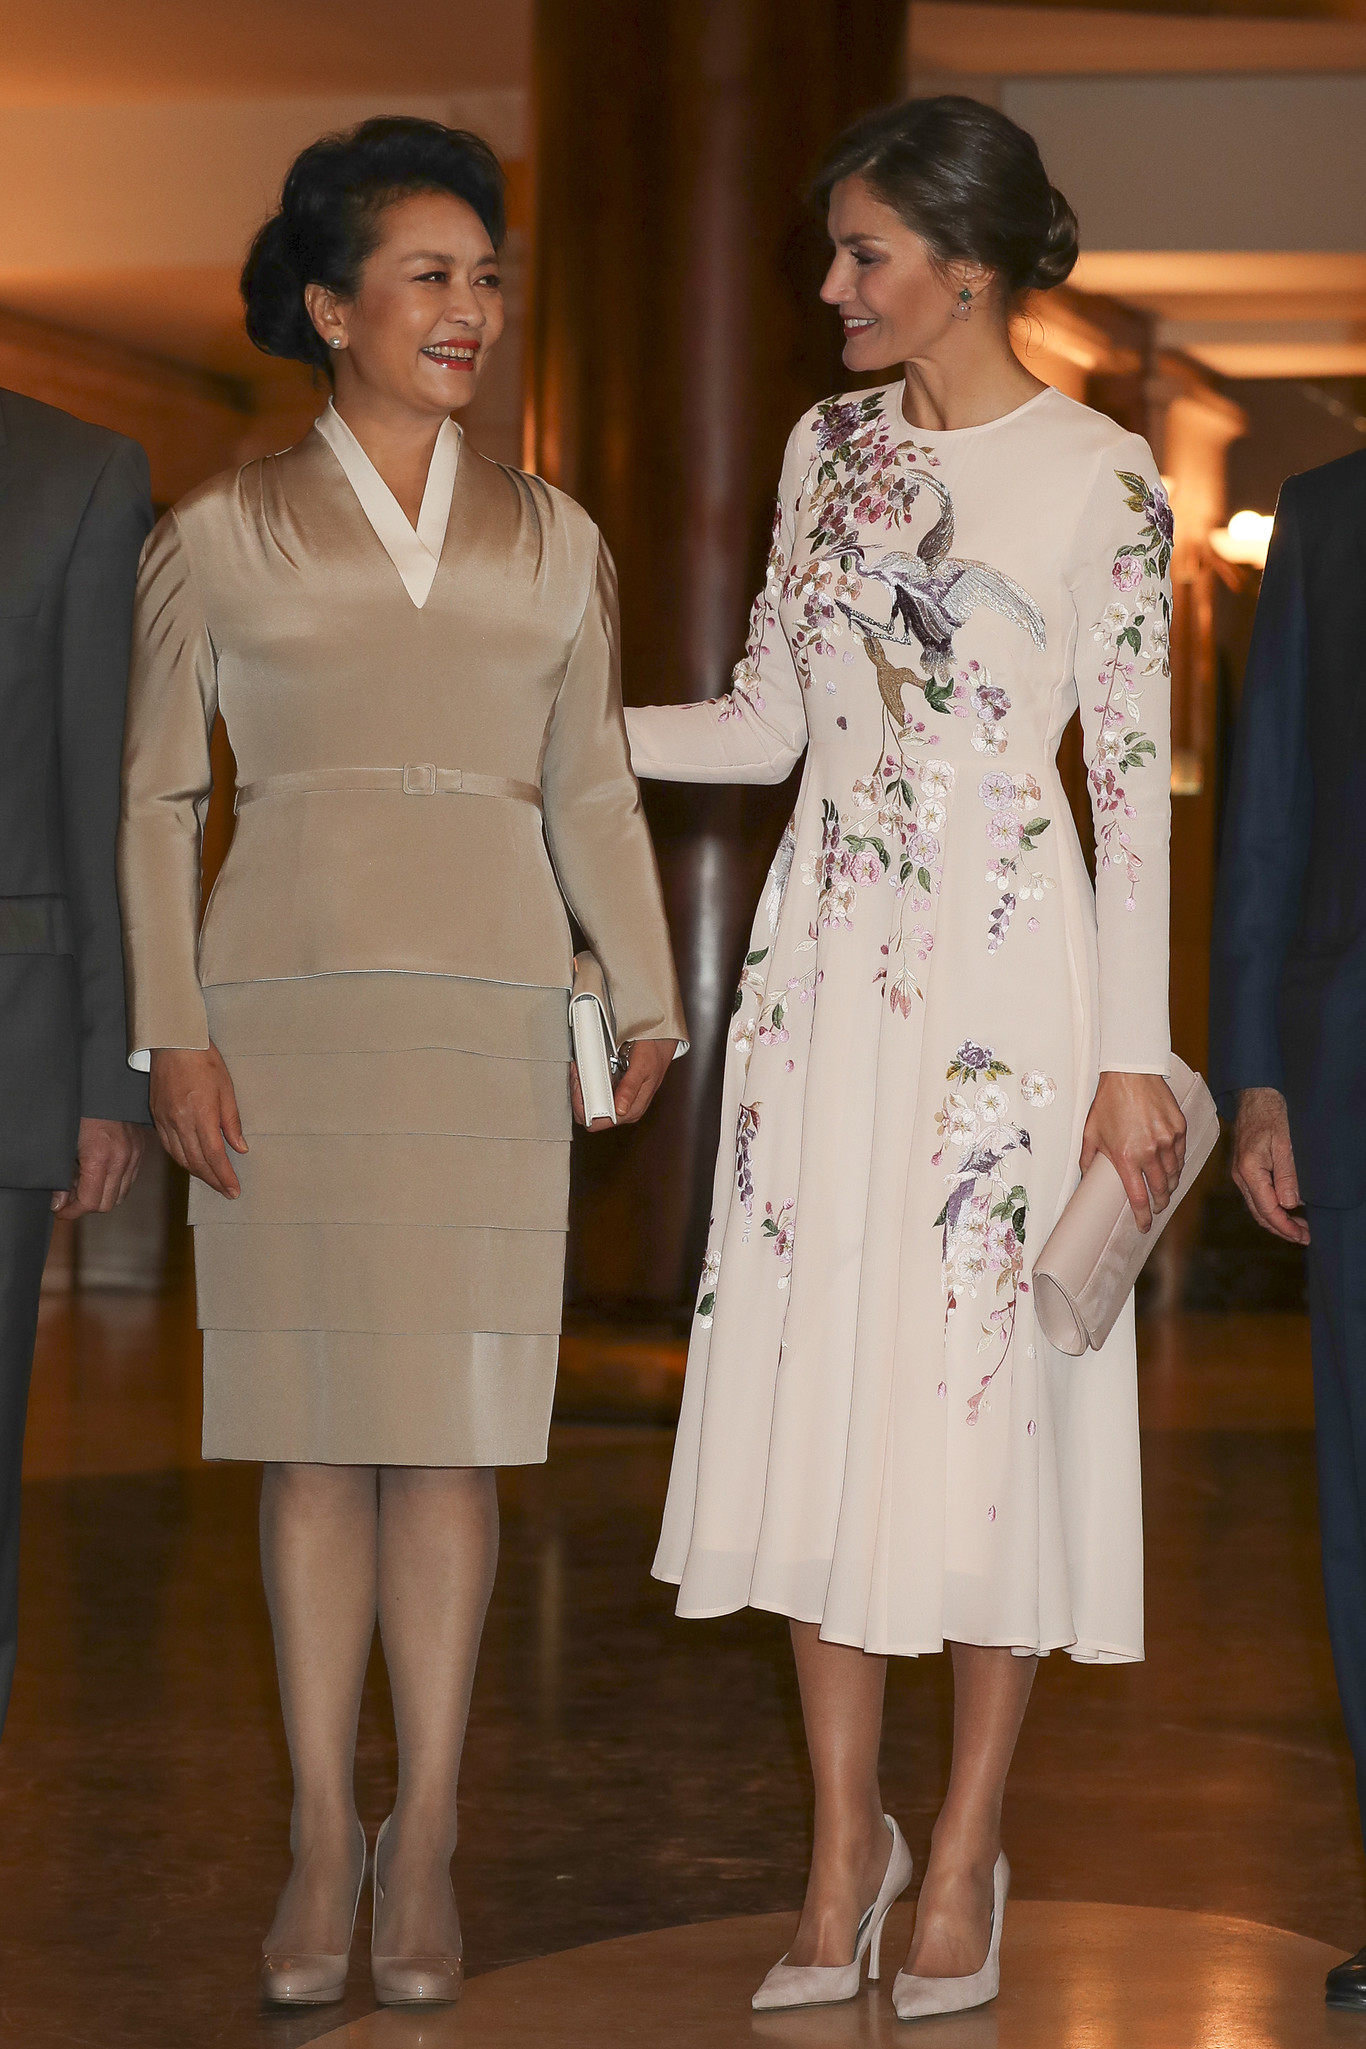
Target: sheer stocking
(438,1550)
(319,1553)
(418,1547)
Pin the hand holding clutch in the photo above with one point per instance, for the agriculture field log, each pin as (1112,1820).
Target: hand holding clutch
(594,1042)
(1096,1251)
(1136,1122)
(609,1085)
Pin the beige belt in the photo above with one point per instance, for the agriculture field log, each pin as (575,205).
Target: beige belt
(417,779)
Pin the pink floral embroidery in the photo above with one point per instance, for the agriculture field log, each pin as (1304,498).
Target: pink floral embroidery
(984,1219)
(1135,640)
(1014,829)
(778,1225)
(860,477)
(744,689)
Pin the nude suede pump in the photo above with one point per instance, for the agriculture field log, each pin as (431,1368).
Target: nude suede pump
(914,1998)
(825,1984)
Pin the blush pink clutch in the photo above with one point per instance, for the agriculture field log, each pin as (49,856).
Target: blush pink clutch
(1095,1252)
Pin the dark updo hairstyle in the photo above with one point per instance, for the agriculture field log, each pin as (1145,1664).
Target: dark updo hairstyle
(330,213)
(970,181)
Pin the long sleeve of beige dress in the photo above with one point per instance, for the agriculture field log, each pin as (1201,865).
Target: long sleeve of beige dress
(875,1434)
(432,763)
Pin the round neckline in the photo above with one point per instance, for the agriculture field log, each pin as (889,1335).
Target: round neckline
(959,433)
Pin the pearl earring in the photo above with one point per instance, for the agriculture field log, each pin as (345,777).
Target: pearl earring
(963,310)
(334,341)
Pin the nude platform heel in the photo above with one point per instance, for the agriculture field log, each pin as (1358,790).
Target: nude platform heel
(825,1984)
(915,1998)
(311,1980)
(415,1980)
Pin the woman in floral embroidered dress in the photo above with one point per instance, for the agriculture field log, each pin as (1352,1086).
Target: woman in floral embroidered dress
(938,1025)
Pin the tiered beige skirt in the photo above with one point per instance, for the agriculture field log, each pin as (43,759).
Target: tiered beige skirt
(386,1289)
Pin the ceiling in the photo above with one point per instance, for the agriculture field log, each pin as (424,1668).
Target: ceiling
(63,51)
(969,38)
(1299,313)
(141,141)
(1217,163)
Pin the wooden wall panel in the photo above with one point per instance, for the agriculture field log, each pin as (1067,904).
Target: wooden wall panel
(189,422)
(676,338)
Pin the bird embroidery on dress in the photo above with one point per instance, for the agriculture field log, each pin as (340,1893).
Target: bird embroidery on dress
(933,594)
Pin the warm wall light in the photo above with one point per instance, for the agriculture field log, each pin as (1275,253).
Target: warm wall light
(1188,772)
(1245,539)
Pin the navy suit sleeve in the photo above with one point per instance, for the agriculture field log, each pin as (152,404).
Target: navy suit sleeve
(97,625)
(1266,830)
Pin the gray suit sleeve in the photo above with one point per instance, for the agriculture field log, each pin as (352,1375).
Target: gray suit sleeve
(97,619)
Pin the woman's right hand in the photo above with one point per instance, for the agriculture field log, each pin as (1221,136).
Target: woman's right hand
(194,1109)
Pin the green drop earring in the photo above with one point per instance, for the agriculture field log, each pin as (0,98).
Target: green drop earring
(963,310)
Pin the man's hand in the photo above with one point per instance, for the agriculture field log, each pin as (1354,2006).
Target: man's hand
(195,1110)
(108,1155)
(1264,1164)
(647,1064)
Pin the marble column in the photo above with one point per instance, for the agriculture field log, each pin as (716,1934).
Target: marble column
(676,337)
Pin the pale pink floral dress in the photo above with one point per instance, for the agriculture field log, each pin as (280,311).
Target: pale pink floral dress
(875,1435)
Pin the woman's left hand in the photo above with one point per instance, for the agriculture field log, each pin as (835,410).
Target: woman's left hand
(647,1064)
(1136,1122)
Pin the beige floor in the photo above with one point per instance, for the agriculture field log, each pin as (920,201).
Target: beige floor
(1073,1977)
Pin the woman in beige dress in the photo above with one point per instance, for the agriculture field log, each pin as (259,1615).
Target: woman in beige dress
(938,1024)
(364,1058)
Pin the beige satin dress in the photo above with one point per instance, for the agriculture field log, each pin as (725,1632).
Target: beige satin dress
(432,763)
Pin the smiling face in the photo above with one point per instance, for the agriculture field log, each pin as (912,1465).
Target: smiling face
(429,308)
(895,299)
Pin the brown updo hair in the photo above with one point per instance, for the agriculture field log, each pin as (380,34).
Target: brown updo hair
(969,180)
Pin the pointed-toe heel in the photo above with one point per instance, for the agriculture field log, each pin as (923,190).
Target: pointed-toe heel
(417,1981)
(410,1980)
(916,1998)
(826,1984)
(315,1979)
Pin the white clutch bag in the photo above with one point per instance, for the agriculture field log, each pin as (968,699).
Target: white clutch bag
(1095,1252)
(594,1040)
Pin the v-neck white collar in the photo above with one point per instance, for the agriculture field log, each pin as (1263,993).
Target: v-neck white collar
(415,555)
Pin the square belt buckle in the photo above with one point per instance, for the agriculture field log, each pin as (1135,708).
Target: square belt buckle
(419,779)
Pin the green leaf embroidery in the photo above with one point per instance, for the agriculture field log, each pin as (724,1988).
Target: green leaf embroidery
(860,840)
